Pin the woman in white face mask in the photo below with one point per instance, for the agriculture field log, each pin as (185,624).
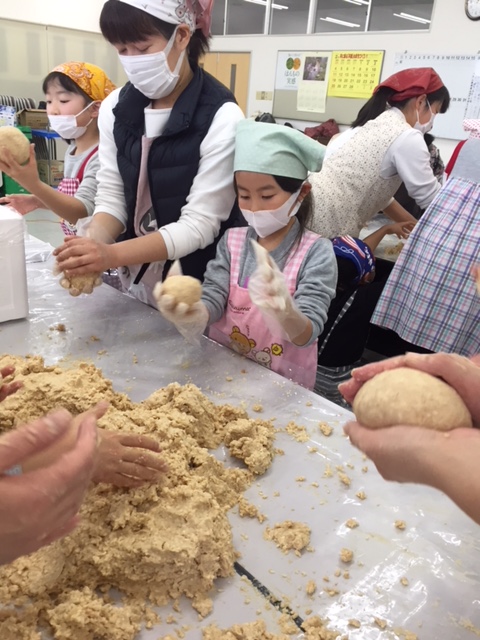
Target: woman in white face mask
(267,292)
(166,153)
(73,92)
(365,165)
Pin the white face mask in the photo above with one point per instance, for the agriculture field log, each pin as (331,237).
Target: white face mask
(150,73)
(267,222)
(66,126)
(426,126)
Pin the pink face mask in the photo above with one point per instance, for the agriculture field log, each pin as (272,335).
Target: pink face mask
(269,221)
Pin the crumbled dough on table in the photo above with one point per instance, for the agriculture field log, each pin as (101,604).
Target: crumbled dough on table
(353,622)
(248,510)
(152,544)
(315,629)
(404,581)
(297,431)
(361,495)
(400,524)
(287,625)
(289,535)
(352,523)
(382,624)
(252,442)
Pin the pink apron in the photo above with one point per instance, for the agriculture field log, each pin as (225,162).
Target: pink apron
(144,223)
(243,328)
(69,186)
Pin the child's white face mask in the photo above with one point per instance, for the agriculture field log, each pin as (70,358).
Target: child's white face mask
(67,127)
(267,222)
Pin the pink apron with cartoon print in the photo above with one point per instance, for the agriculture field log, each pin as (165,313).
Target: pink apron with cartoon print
(243,328)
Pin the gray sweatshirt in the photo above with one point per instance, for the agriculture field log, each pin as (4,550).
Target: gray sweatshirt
(317,277)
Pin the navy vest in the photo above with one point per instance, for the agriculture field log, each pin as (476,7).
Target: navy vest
(173,159)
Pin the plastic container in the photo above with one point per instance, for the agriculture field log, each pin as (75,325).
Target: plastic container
(13,283)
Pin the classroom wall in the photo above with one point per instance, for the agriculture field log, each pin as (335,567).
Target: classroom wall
(451,32)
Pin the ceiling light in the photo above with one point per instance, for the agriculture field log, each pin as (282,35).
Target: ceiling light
(359,2)
(342,22)
(264,4)
(408,16)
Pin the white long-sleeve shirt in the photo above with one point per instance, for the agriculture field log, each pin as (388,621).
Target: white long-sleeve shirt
(407,156)
(211,196)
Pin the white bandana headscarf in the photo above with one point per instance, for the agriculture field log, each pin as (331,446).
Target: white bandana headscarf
(197,14)
(473,127)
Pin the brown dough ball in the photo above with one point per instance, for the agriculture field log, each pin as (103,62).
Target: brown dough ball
(409,397)
(183,289)
(16,142)
(81,284)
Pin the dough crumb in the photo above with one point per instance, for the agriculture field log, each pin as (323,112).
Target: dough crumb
(289,535)
(258,408)
(344,479)
(346,555)
(311,587)
(248,510)
(404,581)
(400,524)
(352,523)
(300,479)
(361,495)
(325,428)
(287,625)
(353,622)
(382,624)
(328,473)
(298,432)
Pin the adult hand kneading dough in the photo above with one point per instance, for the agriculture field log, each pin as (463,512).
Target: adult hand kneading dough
(16,143)
(409,397)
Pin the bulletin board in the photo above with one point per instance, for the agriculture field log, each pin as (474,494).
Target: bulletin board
(318,85)
(458,72)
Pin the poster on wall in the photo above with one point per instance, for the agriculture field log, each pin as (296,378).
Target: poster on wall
(456,72)
(354,74)
(473,103)
(288,70)
(313,81)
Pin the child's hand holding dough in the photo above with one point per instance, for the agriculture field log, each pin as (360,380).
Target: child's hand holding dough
(179,301)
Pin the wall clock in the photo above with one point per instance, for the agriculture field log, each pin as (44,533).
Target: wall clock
(472,9)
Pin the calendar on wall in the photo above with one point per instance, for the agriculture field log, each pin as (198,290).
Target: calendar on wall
(457,72)
(354,74)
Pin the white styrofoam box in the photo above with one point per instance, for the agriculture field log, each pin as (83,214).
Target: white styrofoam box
(13,271)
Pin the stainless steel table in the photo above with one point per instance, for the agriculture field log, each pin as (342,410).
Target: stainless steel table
(438,552)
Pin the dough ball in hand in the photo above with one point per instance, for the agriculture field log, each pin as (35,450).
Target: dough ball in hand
(16,142)
(409,397)
(182,289)
(81,284)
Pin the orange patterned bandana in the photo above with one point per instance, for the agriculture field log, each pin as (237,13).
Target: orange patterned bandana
(90,78)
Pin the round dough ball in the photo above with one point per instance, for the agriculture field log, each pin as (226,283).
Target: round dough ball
(183,289)
(16,142)
(409,397)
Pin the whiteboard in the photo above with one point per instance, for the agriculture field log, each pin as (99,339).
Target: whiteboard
(457,72)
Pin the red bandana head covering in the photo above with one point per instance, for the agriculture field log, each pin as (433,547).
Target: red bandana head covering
(411,83)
